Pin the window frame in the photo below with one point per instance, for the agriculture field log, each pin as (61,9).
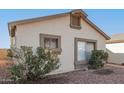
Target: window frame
(42,38)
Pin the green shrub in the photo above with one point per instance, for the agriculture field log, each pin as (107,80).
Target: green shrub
(33,66)
(9,53)
(97,58)
(18,73)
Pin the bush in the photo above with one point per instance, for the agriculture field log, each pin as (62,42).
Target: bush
(18,73)
(33,66)
(122,64)
(9,53)
(97,58)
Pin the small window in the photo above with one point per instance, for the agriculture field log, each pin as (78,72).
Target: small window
(75,21)
(52,42)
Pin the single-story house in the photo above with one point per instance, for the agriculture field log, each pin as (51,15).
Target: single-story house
(115,48)
(72,34)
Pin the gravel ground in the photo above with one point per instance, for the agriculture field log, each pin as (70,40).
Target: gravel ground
(113,75)
(108,75)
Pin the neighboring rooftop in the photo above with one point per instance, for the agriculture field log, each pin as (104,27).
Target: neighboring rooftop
(117,38)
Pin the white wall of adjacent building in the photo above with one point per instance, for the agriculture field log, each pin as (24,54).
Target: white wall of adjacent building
(116,53)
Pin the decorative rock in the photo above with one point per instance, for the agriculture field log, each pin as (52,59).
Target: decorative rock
(85,69)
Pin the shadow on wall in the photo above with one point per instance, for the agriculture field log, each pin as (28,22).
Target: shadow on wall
(116,58)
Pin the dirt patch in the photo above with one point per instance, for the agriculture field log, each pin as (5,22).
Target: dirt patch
(3,54)
(103,72)
(110,75)
(4,69)
(6,63)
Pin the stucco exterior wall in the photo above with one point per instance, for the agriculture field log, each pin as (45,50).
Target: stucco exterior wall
(28,34)
(116,53)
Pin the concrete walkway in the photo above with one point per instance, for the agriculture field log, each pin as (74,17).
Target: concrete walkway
(115,65)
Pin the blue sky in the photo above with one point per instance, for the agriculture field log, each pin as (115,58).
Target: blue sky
(110,21)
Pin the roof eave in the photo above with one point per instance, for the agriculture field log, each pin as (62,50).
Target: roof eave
(114,41)
(35,19)
(98,29)
(14,23)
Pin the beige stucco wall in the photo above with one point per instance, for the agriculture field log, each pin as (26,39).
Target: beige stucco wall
(28,34)
(116,53)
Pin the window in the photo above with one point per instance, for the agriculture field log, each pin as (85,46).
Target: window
(52,42)
(89,48)
(83,49)
(75,21)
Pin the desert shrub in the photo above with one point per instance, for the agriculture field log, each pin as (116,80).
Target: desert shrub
(97,59)
(17,72)
(122,64)
(9,53)
(33,66)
